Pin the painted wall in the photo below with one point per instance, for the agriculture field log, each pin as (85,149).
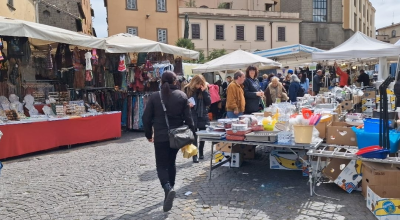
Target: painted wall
(22,9)
(257,5)
(391,36)
(119,19)
(352,12)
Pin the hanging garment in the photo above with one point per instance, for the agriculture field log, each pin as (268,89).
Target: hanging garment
(79,78)
(122,66)
(94,57)
(88,76)
(88,55)
(214,93)
(76,60)
(49,58)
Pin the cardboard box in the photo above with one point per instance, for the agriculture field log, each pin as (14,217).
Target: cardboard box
(248,151)
(322,128)
(367,108)
(391,106)
(340,133)
(368,102)
(369,94)
(345,173)
(390,98)
(286,160)
(322,164)
(377,175)
(384,206)
(237,159)
(267,114)
(347,105)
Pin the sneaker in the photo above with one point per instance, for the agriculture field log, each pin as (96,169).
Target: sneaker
(195,159)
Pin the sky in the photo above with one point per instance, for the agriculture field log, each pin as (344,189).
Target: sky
(385,14)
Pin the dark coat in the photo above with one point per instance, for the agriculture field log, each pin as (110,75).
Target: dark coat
(268,99)
(252,100)
(363,78)
(178,112)
(201,121)
(317,83)
(293,90)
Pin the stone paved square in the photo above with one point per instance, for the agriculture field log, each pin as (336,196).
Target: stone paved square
(117,179)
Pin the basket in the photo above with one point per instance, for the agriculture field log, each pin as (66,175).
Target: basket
(303,133)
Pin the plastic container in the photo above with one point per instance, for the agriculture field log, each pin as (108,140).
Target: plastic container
(372,125)
(303,133)
(237,132)
(234,138)
(379,154)
(368,139)
(368,150)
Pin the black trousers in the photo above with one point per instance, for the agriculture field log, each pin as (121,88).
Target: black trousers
(165,163)
(195,143)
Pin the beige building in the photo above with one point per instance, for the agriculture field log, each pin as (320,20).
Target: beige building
(18,9)
(389,34)
(231,29)
(251,5)
(150,19)
(359,15)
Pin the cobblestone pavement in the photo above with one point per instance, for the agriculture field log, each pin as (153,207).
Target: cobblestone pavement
(117,180)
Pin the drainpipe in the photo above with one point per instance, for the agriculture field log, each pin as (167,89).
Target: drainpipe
(207,37)
(270,24)
(37,10)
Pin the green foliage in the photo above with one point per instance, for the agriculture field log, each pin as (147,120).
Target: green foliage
(191,4)
(223,5)
(216,53)
(185,43)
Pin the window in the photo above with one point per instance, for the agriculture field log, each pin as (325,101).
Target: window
(162,35)
(195,31)
(355,22)
(281,34)
(260,32)
(269,7)
(219,32)
(131,4)
(359,5)
(394,33)
(161,5)
(239,32)
(364,11)
(363,28)
(359,25)
(228,5)
(367,15)
(132,30)
(355,3)
(10,3)
(319,10)
(46,13)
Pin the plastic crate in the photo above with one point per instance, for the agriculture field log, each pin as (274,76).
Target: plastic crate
(367,139)
(372,125)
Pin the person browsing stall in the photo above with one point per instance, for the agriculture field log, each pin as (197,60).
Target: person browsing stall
(199,100)
(235,101)
(363,78)
(295,89)
(317,82)
(275,91)
(178,113)
(252,91)
(344,76)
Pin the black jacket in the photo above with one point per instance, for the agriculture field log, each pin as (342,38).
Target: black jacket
(363,78)
(201,121)
(317,83)
(178,112)
(252,100)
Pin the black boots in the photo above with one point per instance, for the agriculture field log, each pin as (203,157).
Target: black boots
(201,149)
(169,197)
(195,159)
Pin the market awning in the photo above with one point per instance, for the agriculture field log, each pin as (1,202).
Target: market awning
(397,43)
(128,43)
(238,59)
(41,34)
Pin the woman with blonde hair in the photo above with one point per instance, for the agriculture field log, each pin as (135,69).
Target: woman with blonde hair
(197,91)
(274,91)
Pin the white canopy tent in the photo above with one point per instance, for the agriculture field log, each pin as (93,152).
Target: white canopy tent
(360,46)
(397,43)
(127,43)
(292,55)
(40,34)
(238,59)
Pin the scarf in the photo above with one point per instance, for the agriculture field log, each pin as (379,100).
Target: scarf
(199,104)
(255,83)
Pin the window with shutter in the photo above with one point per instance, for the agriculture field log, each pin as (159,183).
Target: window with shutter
(195,31)
(219,32)
(239,32)
(132,30)
(319,11)
(162,35)
(281,34)
(161,5)
(260,33)
(131,4)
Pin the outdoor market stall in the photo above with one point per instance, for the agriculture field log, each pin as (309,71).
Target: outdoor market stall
(63,91)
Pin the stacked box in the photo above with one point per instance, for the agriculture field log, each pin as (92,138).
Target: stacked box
(368,103)
(391,102)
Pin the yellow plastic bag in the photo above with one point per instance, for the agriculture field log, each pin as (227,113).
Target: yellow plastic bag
(189,151)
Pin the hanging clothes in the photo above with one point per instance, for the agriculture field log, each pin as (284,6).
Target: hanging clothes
(122,66)
(88,56)
(49,58)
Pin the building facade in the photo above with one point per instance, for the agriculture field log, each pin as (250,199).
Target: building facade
(151,19)
(389,34)
(74,15)
(18,9)
(230,29)
(359,15)
(250,5)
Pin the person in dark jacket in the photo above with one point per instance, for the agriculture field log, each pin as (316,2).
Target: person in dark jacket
(363,78)
(252,91)
(197,90)
(286,82)
(294,88)
(397,91)
(264,82)
(178,113)
(317,82)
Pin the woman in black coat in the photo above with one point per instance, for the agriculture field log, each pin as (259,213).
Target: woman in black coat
(197,90)
(178,113)
(252,91)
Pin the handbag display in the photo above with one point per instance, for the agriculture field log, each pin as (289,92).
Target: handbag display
(178,137)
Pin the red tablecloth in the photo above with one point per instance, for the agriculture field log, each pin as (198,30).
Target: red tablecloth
(21,139)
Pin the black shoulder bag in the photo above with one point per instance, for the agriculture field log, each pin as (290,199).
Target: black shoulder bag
(178,137)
